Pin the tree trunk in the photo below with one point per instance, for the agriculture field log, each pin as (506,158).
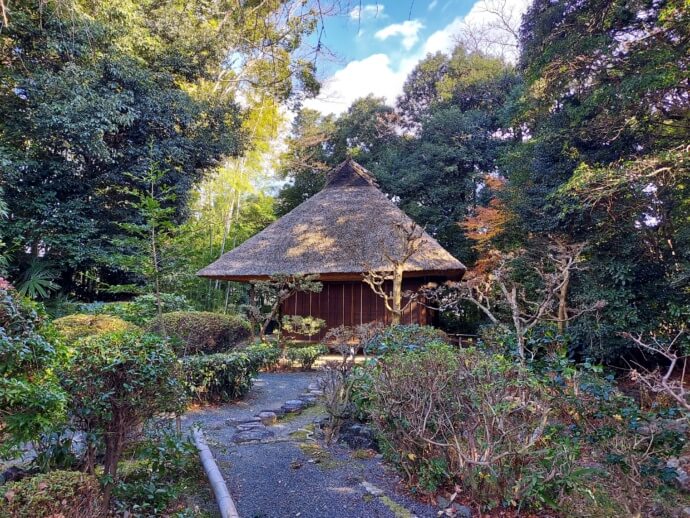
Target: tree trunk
(397,294)
(563,303)
(114,442)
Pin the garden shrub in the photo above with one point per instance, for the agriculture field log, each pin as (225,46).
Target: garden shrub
(403,338)
(218,377)
(57,493)
(74,327)
(141,309)
(31,400)
(305,356)
(162,467)
(226,376)
(263,355)
(466,417)
(200,332)
(115,382)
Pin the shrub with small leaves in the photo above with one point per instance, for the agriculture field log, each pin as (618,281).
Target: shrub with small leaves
(31,400)
(115,382)
(305,356)
(201,332)
(57,493)
(218,377)
(74,327)
(404,338)
(263,355)
(162,466)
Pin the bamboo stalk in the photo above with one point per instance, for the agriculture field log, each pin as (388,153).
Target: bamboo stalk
(220,489)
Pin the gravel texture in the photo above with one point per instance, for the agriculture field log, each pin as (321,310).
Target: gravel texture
(291,474)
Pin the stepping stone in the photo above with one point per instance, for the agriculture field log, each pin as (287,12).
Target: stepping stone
(372,489)
(313,386)
(294,405)
(246,420)
(268,418)
(253,435)
(250,426)
(316,392)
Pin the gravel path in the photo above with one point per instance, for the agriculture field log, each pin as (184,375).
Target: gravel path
(292,474)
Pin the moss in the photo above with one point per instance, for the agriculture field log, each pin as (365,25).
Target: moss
(312,411)
(320,455)
(398,510)
(363,454)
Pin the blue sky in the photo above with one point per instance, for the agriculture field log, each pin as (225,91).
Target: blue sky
(379,43)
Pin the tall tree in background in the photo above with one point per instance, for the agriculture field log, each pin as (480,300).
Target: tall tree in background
(605,92)
(93,93)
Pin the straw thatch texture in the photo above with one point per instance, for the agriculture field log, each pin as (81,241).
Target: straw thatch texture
(338,233)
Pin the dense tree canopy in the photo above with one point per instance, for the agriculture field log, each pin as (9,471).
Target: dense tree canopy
(93,95)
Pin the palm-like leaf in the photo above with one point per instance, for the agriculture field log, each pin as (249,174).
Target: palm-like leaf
(37,281)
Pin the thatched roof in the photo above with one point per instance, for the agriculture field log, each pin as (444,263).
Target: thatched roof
(340,232)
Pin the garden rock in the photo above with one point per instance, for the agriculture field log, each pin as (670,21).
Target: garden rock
(682,468)
(268,418)
(294,406)
(358,436)
(461,511)
(252,435)
(235,422)
(372,489)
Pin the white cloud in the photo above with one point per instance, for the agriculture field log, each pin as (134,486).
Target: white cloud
(378,75)
(368,11)
(409,30)
(372,75)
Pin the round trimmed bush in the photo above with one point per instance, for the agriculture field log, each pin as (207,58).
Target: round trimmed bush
(74,327)
(201,332)
(57,493)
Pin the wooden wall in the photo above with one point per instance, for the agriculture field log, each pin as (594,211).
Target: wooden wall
(352,303)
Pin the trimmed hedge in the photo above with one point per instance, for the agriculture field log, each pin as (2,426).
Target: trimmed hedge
(57,493)
(74,327)
(225,376)
(201,332)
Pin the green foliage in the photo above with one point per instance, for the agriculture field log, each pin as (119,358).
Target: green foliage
(225,377)
(299,325)
(305,356)
(93,95)
(218,377)
(163,466)
(58,493)
(264,355)
(115,382)
(402,338)
(140,310)
(75,327)
(30,397)
(199,332)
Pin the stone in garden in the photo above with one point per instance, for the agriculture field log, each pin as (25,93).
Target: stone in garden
(315,392)
(372,489)
(357,436)
(313,386)
(245,420)
(268,418)
(253,435)
(461,511)
(442,502)
(250,426)
(294,405)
